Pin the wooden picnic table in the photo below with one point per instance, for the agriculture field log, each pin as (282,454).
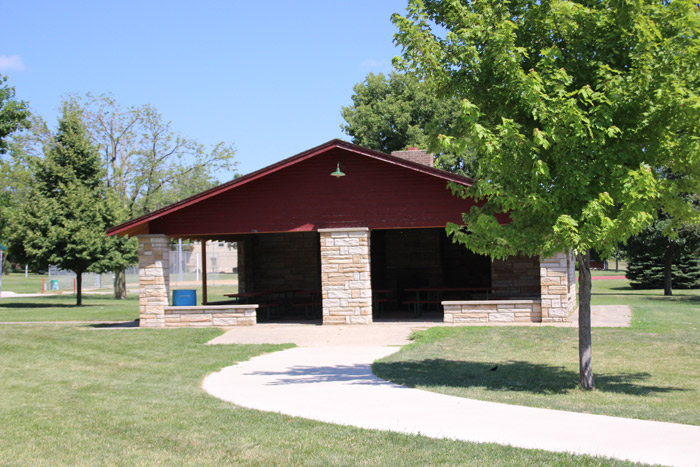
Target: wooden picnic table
(279,298)
(245,296)
(450,289)
(438,292)
(379,298)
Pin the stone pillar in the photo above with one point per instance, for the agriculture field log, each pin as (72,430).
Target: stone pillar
(345,276)
(154,279)
(557,287)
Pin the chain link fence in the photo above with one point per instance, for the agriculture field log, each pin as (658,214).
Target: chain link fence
(186,263)
(185,269)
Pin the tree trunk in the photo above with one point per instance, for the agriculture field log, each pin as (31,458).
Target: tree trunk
(119,284)
(668,271)
(79,287)
(584,322)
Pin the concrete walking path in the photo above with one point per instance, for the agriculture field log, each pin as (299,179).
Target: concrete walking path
(335,384)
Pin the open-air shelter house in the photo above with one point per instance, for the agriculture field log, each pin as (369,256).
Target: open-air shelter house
(347,235)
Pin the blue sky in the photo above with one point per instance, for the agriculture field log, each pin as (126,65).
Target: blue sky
(269,76)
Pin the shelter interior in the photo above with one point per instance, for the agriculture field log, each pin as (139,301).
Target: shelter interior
(282,273)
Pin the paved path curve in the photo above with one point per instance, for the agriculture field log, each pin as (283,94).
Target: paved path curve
(336,385)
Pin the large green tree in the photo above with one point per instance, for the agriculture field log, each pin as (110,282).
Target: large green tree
(391,113)
(14,114)
(63,221)
(574,110)
(147,164)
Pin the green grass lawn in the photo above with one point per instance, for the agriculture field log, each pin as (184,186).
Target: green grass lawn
(63,308)
(16,282)
(78,395)
(607,272)
(649,371)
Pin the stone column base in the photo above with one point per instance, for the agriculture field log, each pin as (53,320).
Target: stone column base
(154,279)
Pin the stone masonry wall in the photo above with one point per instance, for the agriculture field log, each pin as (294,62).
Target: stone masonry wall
(242,247)
(516,276)
(154,279)
(345,276)
(209,316)
(492,311)
(284,261)
(558,287)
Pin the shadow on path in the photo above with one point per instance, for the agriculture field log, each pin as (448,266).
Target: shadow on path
(353,374)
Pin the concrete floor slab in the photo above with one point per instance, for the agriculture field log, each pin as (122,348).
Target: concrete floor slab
(309,335)
(607,316)
(384,333)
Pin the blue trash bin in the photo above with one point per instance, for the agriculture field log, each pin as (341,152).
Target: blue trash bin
(185,297)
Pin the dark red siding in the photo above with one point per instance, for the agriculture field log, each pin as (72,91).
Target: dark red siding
(304,197)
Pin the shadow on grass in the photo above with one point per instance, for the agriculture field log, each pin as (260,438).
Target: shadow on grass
(623,291)
(119,325)
(19,305)
(679,297)
(509,376)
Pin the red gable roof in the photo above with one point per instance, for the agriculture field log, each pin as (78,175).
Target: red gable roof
(298,193)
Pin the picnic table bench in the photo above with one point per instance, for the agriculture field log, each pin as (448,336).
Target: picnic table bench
(436,295)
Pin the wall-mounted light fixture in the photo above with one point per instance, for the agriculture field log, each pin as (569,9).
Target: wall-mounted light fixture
(338,173)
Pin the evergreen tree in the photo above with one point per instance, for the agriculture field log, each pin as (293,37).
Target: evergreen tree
(147,166)
(64,220)
(656,261)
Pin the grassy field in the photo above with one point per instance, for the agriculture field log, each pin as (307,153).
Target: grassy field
(61,306)
(17,283)
(85,394)
(607,272)
(80,395)
(649,371)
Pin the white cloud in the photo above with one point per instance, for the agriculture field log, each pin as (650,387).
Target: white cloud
(11,62)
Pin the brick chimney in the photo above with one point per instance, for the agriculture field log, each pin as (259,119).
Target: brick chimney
(419,156)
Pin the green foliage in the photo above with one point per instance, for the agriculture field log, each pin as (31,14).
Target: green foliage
(573,110)
(646,252)
(63,221)
(391,113)
(14,114)
(584,118)
(147,165)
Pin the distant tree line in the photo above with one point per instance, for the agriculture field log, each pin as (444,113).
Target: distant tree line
(102,166)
